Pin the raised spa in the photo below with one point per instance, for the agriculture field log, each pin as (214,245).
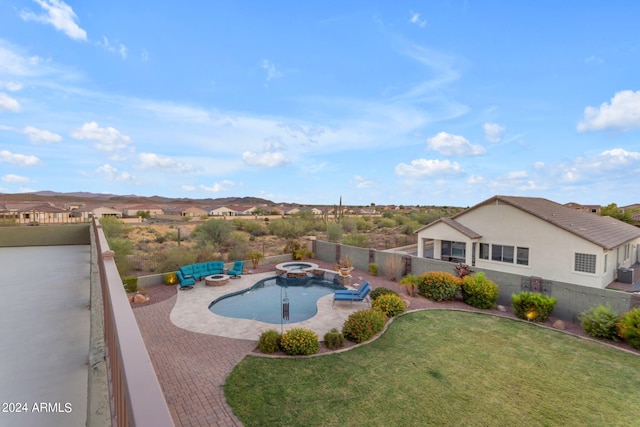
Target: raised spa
(264,301)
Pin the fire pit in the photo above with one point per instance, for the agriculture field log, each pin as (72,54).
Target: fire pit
(216,280)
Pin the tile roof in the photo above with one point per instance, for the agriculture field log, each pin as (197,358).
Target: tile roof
(461,228)
(604,231)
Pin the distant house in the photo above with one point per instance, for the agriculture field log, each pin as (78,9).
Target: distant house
(132,211)
(43,214)
(368,211)
(242,210)
(534,237)
(220,211)
(105,211)
(596,209)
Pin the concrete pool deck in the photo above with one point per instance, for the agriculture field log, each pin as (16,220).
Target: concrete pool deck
(191,312)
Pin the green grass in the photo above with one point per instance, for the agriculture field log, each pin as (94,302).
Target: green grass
(445,368)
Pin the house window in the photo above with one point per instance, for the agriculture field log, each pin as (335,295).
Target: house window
(606,258)
(453,249)
(484,251)
(502,253)
(522,256)
(627,251)
(585,263)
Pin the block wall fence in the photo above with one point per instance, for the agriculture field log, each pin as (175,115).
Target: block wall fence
(572,299)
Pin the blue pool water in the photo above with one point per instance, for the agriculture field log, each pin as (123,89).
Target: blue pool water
(263,301)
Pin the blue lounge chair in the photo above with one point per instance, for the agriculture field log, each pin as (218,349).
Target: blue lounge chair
(350,295)
(236,270)
(185,282)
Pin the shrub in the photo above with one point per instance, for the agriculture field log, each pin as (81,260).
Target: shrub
(269,341)
(299,341)
(378,292)
(438,285)
(333,339)
(532,306)
(600,322)
(393,267)
(362,325)
(373,269)
(410,282)
(479,292)
(130,284)
(356,239)
(170,278)
(391,305)
(334,232)
(629,328)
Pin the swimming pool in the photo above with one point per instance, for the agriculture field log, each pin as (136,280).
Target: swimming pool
(263,301)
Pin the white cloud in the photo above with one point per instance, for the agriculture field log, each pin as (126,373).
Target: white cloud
(18,159)
(493,132)
(362,182)
(118,48)
(454,145)
(187,188)
(610,163)
(415,19)
(476,179)
(217,187)
(270,68)
(593,59)
(423,167)
(267,159)
(623,113)
(113,174)
(60,15)
(106,139)
(517,175)
(153,161)
(13,179)
(7,103)
(11,86)
(40,135)
(539,165)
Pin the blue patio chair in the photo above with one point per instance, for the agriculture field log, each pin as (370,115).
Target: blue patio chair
(351,295)
(236,270)
(185,282)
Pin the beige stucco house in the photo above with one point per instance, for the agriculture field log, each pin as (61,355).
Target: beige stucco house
(534,237)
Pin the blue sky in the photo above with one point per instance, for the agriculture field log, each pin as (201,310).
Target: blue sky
(442,102)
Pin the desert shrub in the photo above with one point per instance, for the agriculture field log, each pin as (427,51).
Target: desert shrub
(334,232)
(288,228)
(479,292)
(170,278)
(373,269)
(269,341)
(532,306)
(363,224)
(214,232)
(362,325)
(438,285)
(349,225)
(299,341)
(356,239)
(174,258)
(334,339)
(600,322)
(410,282)
(378,292)
(462,270)
(629,327)
(393,267)
(385,222)
(391,305)
(130,284)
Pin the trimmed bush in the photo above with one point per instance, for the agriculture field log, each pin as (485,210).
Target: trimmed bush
(130,284)
(600,322)
(373,269)
(479,292)
(438,285)
(334,339)
(170,278)
(299,341)
(378,292)
(629,328)
(532,306)
(269,341)
(391,305)
(362,325)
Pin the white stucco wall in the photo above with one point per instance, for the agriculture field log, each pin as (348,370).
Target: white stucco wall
(551,249)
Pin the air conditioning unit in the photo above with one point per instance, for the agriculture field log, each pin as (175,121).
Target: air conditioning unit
(625,275)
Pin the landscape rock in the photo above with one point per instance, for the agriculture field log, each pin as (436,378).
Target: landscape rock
(558,324)
(502,308)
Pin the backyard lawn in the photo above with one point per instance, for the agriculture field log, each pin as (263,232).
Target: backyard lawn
(441,367)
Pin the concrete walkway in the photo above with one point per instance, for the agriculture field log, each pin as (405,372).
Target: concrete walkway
(44,324)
